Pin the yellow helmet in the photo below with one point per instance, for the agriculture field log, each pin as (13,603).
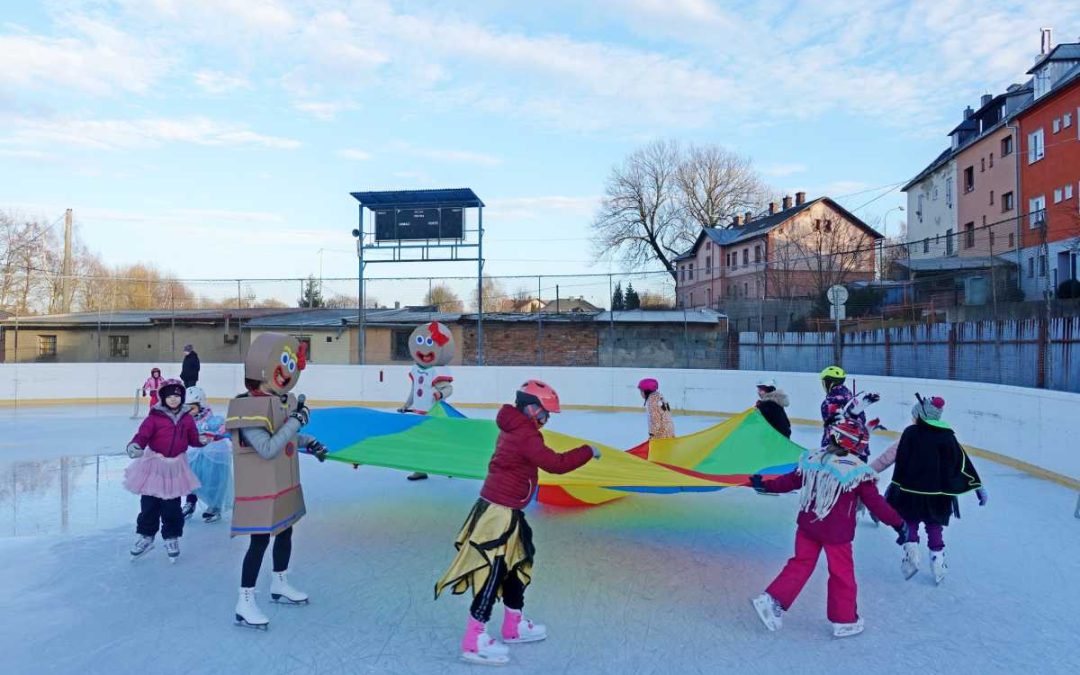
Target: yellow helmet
(834,373)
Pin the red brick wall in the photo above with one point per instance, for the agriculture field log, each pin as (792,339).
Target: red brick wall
(1060,165)
(520,344)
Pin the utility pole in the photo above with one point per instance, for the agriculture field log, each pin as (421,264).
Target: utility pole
(65,287)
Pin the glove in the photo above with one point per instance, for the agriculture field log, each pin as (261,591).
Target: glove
(134,451)
(901,534)
(871,397)
(318,449)
(758,483)
(302,414)
(595,451)
(983,496)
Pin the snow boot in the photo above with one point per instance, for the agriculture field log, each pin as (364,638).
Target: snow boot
(909,564)
(141,546)
(516,628)
(281,591)
(248,613)
(211,515)
(842,630)
(937,564)
(172,547)
(417,475)
(479,647)
(769,611)
(188,509)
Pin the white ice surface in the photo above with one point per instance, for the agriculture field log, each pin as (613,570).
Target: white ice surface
(650,584)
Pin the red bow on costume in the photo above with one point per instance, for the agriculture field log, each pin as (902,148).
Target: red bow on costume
(301,357)
(437,335)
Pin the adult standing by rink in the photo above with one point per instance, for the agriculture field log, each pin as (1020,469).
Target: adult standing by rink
(189,371)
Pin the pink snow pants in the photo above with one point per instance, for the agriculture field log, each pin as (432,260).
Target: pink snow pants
(842,588)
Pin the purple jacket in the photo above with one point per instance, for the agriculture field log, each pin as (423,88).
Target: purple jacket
(839,526)
(166,433)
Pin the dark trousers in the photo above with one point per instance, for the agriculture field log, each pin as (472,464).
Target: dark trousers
(167,511)
(513,592)
(257,549)
(190,381)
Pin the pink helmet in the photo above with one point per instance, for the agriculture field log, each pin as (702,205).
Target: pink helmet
(535,391)
(648,384)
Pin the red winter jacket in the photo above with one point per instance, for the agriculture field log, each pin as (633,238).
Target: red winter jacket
(839,526)
(168,434)
(519,451)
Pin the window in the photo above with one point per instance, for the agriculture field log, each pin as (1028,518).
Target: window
(991,198)
(307,350)
(1007,202)
(1057,125)
(745,257)
(46,346)
(969,179)
(1031,267)
(926,245)
(746,290)
(400,340)
(1057,195)
(935,194)
(949,241)
(1042,265)
(708,295)
(918,209)
(691,273)
(1012,239)
(982,165)
(948,192)
(969,235)
(1006,146)
(708,265)
(1036,211)
(1066,121)
(991,160)
(1068,191)
(991,238)
(757,253)
(118,346)
(1036,147)
(708,246)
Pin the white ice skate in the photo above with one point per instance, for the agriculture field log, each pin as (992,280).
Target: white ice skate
(769,611)
(187,509)
(172,547)
(248,613)
(211,515)
(517,628)
(489,651)
(842,630)
(909,564)
(141,546)
(282,592)
(937,564)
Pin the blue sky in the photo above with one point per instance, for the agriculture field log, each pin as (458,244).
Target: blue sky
(221,138)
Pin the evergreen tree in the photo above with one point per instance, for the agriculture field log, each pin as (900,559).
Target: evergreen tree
(617,301)
(632,301)
(312,294)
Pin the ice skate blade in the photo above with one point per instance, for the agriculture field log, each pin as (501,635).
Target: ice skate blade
(848,632)
(137,556)
(472,657)
(764,613)
(523,640)
(282,600)
(239,621)
(909,572)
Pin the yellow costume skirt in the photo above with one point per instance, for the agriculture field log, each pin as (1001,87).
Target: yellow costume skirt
(490,531)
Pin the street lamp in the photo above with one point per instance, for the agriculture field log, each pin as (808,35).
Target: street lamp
(359,235)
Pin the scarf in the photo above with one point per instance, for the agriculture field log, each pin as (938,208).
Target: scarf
(826,476)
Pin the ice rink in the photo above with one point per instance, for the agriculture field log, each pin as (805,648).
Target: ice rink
(649,584)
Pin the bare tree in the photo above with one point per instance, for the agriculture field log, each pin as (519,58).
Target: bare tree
(640,216)
(716,184)
(444,298)
(817,251)
(495,297)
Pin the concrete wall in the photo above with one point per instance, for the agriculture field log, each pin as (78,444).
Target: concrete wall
(1028,425)
(160,343)
(938,208)
(664,346)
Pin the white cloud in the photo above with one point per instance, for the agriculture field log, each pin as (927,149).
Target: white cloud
(354,154)
(323,110)
(121,134)
(217,82)
(781,170)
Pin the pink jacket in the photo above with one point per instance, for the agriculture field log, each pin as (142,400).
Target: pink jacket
(839,526)
(152,384)
(168,434)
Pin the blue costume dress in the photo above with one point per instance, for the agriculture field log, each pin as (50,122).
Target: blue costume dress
(213,463)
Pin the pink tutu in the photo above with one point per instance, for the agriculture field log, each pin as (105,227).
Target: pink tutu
(162,477)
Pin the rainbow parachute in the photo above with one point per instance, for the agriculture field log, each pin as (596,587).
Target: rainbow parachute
(449,444)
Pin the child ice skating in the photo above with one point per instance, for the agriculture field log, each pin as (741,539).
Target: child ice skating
(431,347)
(212,463)
(831,481)
(657,409)
(771,403)
(265,424)
(931,469)
(841,404)
(151,386)
(160,472)
(495,546)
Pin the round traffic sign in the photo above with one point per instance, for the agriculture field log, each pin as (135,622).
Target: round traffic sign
(837,295)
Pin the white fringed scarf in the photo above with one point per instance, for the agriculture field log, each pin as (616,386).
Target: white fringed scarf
(826,476)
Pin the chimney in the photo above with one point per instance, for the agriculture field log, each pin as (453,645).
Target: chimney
(800,198)
(1045,41)
(986,98)
(397,304)
(737,221)
(968,112)
(787,202)
(772,208)
(748,217)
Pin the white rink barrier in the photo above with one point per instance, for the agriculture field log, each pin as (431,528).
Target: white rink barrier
(1030,426)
